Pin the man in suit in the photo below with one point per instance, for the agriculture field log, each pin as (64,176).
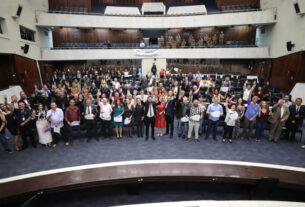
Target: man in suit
(280,114)
(150,113)
(297,114)
(90,123)
(169,115)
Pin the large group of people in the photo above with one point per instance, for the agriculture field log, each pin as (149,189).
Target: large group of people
(106,103)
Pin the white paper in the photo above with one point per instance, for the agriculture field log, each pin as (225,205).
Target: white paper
(89,116)
(75,123)
(117,119)
(184,119)
(215,114)
(224,89)
(195,118)
(56,129)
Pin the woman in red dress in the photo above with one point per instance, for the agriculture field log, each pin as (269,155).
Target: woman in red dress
(160,117)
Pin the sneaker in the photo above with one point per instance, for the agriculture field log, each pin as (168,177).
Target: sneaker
(303,146)
(197,140)
(188,139)
(9,151)
(54,145)
(67,143)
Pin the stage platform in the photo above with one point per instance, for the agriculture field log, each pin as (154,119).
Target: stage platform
(114,150)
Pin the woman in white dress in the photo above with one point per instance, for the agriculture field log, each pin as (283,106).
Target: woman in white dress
(45,137)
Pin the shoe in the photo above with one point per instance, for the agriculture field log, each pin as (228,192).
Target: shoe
(9,151)
(97,139)
(250,139)
(146,138)
(303,146)
(230,140)
(54,145)
(215,139)
(188,139)
(223,140)
(81,140)
(276,142)
(153,138)
(183,137)
(166,134)
(197,140)
(171,136)
(67,143)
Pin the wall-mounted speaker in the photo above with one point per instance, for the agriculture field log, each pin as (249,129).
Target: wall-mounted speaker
(289,46)
(297,8)
(25,48)
(19,10)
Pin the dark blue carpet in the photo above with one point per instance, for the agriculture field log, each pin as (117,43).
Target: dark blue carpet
(112,150)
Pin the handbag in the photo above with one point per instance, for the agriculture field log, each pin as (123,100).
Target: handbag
(46,128)
(118,119)
(127,121)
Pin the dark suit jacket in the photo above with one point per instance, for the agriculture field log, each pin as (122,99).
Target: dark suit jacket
(292,110)
(170,108)
(147,107)
(93,108)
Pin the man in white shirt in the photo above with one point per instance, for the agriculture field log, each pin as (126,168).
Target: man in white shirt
(287,101)
(105,116)
(116,84)
(90,123)
(143,97)
(55,116)
(149,113)
(247,89)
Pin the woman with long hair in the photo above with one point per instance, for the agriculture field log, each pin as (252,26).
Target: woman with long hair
(11,125)
(118,121)
(261,120)
(240,109)
(160,116)
(139,117)
(44,135)
(129,117)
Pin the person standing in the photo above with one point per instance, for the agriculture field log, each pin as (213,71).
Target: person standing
(72,117)
(295,120)
(160,117)
(45,137)
(150,112)
(105,115)
(118,121)
(183,110)
(196,114)
(215,111)
(3,140)
(250,116)
(280,114)
(230,121)
(170,115)
(261,120)
(129,117)
(247,90)
(240,109)
(55,116)
(139,117)
(24,123)
(90,122)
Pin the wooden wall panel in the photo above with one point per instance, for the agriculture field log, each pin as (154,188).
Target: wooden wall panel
(221,3)
(27,74)
(285,67)
(7,71)
(237,33)
(71,3)
(73,35)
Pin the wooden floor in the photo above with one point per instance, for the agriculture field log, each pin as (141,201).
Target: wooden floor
(148,171)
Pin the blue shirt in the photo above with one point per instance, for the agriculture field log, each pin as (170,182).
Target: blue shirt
(211,108)
(252,110)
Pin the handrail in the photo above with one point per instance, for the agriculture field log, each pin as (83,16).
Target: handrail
(164,15)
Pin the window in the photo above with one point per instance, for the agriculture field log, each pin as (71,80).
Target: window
(27,34)
(1,25)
